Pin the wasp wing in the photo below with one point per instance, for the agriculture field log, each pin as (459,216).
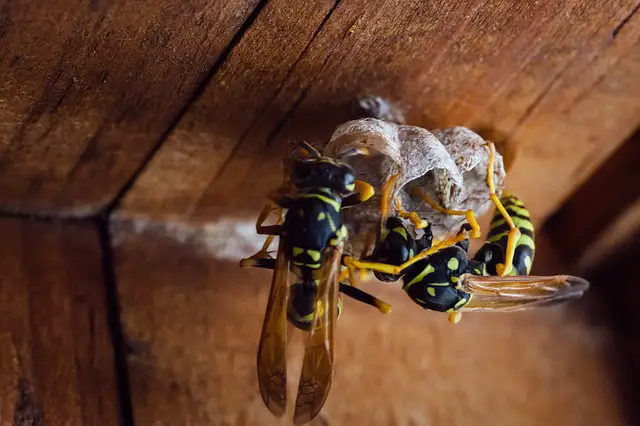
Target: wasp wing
(272,356)
(318,364)
(515,293)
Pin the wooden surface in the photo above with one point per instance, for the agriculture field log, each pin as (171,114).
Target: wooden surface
(56,359)
(89,88)
(90,91)
(194,323)
(549,76)
(605,196)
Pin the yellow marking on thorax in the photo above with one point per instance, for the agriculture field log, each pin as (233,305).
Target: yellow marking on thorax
(453,264)
(297,251)
(431,291)
(426,271)
(332,225)
(322,216)
(328,200)
(400,230)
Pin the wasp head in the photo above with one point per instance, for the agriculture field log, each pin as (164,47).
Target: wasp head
(323,172)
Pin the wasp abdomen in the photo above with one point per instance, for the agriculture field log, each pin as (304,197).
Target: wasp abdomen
(498,235)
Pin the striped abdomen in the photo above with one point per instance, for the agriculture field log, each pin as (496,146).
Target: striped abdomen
(499,233)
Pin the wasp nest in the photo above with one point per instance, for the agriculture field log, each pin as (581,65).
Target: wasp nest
(450,165)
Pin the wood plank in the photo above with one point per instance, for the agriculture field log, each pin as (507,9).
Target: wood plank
(618,289)
(445,63)
(193,323)
(56,360)
(89,88)
(608,193)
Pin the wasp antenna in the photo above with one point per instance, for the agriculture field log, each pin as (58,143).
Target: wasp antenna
(308,150)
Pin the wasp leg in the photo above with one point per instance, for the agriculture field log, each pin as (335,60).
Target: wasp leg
(455,317)
(514,232)
(353,264)
(364,297)
(369,243)
(412,216)
(256,262)
(385,199)
(270,231)
(362,192)
(468,214)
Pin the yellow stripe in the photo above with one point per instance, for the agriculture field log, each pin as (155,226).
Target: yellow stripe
(526,240)
(520,210)
(511,200)
(518,221)
(297,251)
(453,264)
(460,302)
(400,230)
(498,237)
(330,201)
(431,291)
(426,271)
(331,224)
(313,254)
(308,265)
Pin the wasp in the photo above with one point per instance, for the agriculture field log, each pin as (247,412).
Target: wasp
(442,277)
(311,240)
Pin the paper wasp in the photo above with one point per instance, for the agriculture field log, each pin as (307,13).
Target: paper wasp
(311,238)
(443,278)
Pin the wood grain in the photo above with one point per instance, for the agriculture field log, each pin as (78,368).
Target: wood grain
(495,65)
(89,88)
(607,194)
(56,360)
(193,323)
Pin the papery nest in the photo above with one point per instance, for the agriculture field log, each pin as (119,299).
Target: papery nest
(450,165)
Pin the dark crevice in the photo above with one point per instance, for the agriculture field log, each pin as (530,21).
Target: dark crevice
(285,118)
(280,123)
(118,342)
(110,207)
(624,22)
(617,290)
(288,76)
(538,100)
(26,410)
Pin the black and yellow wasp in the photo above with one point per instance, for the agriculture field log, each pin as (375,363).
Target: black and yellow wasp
(311,238)
(444,278)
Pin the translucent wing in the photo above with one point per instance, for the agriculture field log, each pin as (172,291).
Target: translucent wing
(272,356)
(318,364)
(520,292)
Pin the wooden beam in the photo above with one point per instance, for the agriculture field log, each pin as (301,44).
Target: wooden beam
(550,77)
(598,202)
(56,359)
(89,89)
(193,324)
